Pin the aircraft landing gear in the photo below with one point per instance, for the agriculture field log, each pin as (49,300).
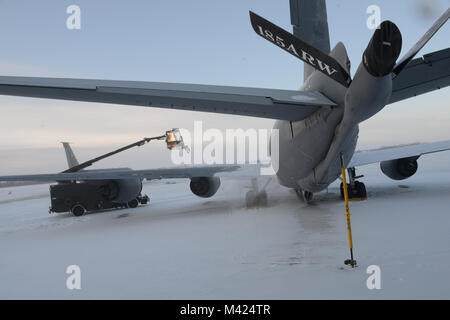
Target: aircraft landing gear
(303,195)
(356,189)
(257,197)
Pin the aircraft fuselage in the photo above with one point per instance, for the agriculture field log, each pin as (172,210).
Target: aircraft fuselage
(310,149)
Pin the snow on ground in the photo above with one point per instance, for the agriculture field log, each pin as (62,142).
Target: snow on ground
(181,246)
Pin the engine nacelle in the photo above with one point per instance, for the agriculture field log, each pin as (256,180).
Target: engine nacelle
(204,187)
(383,50)
(400,169)
(121,191)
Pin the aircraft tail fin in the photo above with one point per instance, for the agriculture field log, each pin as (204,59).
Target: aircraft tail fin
(310,23)
(71,159)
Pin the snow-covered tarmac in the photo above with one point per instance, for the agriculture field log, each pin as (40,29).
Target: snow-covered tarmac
(181,246)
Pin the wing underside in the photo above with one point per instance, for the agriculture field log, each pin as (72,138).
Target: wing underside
(118,174)
(422,75)
(362,158)
(265,103)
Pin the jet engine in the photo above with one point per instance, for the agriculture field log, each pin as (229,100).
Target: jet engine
(374,72)
(383,50)
(121,191)
(399,169)
(204,187)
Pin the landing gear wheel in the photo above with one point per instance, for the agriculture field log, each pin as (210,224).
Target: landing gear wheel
(305,196)
(78,210)
(355,192)
(262,199)
(361,190)
(133,203)
(253,199)
(250,199)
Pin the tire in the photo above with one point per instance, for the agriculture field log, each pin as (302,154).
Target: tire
(361,190)
(356,192)
(262,199)
(133,203)
(250,199)
(144,200)
(304,196)
(299,193)
(307,196)
(78,210)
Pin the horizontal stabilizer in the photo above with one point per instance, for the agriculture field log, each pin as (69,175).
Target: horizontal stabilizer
(300,49)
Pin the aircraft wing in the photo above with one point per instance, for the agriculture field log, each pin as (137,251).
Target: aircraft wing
(362,158)
(264,103)
(117,174)
(422,75)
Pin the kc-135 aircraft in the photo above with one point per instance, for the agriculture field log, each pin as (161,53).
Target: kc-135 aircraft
(316,125)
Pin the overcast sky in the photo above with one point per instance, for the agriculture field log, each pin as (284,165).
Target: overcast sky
(195,41)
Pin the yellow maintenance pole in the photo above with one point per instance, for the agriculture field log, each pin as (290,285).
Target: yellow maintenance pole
(351,262)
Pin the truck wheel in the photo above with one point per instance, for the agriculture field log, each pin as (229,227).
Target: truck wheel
(133,203)
(78,210)
(144,199)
